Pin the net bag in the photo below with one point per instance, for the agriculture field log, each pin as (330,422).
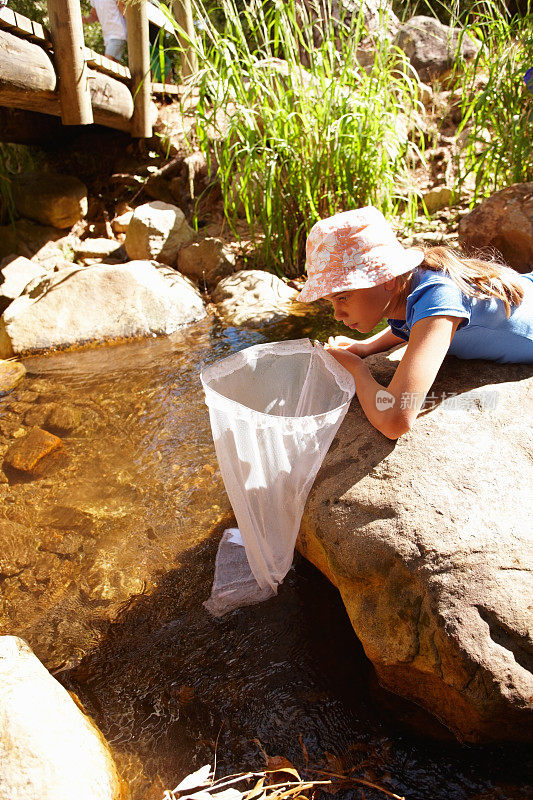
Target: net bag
(274,410)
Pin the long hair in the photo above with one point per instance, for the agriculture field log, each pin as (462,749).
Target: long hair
(475,277)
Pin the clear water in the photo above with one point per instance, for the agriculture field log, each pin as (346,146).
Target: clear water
(114,552)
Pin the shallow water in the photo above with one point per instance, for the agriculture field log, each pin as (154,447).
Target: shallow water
(117,549)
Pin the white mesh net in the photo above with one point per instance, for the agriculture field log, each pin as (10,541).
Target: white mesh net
(274,410)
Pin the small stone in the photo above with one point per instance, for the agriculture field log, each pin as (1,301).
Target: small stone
(121,222)
(38,415)
(26,454)
(64,418)
(11,373)
(437,198)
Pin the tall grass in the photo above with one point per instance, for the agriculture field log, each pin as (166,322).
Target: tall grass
(294,143)
(497,109)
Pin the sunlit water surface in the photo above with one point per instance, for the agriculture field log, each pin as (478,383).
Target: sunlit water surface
(120,540)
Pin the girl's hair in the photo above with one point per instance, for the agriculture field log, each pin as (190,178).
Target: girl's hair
(476,277)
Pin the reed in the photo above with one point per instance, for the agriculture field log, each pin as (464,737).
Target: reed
(497,108)
(298,129)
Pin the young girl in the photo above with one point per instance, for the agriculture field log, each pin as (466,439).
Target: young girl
(437,301)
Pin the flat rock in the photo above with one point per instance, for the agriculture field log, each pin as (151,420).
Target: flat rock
(11,373)
(427,540)
(49,198)
(49,749)
(254,297)
(503,222)
(96,248)
(82,305)
(157,230)
(432,46)
(27,453)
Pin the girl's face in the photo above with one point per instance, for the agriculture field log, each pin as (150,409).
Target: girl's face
(362,309)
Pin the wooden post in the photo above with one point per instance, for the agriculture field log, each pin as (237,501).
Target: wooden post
(66,29)
(183,14)
(139,63)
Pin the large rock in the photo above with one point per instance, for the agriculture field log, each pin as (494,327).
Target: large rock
(79,305)
(432,46)
(29,453)
(254,297)
(207,261)
(429,541)
(503,222)
(57,200)
(157,230)
(49,749)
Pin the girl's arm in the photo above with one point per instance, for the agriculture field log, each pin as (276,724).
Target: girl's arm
(381,341)
(393,410)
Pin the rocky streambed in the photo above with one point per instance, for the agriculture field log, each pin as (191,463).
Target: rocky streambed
(109,553)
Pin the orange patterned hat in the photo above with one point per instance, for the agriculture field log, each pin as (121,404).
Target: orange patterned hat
(354,250)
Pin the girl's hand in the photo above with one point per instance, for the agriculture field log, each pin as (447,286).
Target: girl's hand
(345,343)
(345,357)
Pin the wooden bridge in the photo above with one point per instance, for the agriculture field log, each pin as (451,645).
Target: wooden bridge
(52,72)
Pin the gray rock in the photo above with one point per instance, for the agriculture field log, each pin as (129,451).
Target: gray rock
(48,198)
(78,305)
(429,541)
(49,749)
(254,296)
(432,46)
(157,230)
(503,222)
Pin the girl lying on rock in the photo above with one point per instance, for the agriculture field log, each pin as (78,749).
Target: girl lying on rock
(438,301)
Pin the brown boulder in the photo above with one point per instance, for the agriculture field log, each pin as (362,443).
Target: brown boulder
(207,261)
(57,200)
(28,453)
(503,222)
(428,540)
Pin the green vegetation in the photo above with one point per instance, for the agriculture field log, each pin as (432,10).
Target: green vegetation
(497,109)
(294,143)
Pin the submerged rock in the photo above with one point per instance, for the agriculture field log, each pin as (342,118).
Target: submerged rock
(28,454)
(254,297)
(80,305)
(11,373)
(429,541)
(49,749)
(504,222)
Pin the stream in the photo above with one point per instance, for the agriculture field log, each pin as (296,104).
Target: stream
(113,554)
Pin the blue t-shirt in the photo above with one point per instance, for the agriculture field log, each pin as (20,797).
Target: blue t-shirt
(485,331)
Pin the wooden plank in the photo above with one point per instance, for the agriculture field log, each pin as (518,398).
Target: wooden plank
(107,65)
(24,25)
(66,29)
(139,63)
(166,88)
(8,18)
(158,18)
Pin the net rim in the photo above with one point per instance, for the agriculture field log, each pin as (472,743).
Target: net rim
(345,381)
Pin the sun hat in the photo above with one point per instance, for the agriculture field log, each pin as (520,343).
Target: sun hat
(353,250)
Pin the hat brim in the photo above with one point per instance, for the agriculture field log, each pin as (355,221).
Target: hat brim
(318,286)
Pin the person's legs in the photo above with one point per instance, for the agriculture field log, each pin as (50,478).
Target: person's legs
(114,48)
